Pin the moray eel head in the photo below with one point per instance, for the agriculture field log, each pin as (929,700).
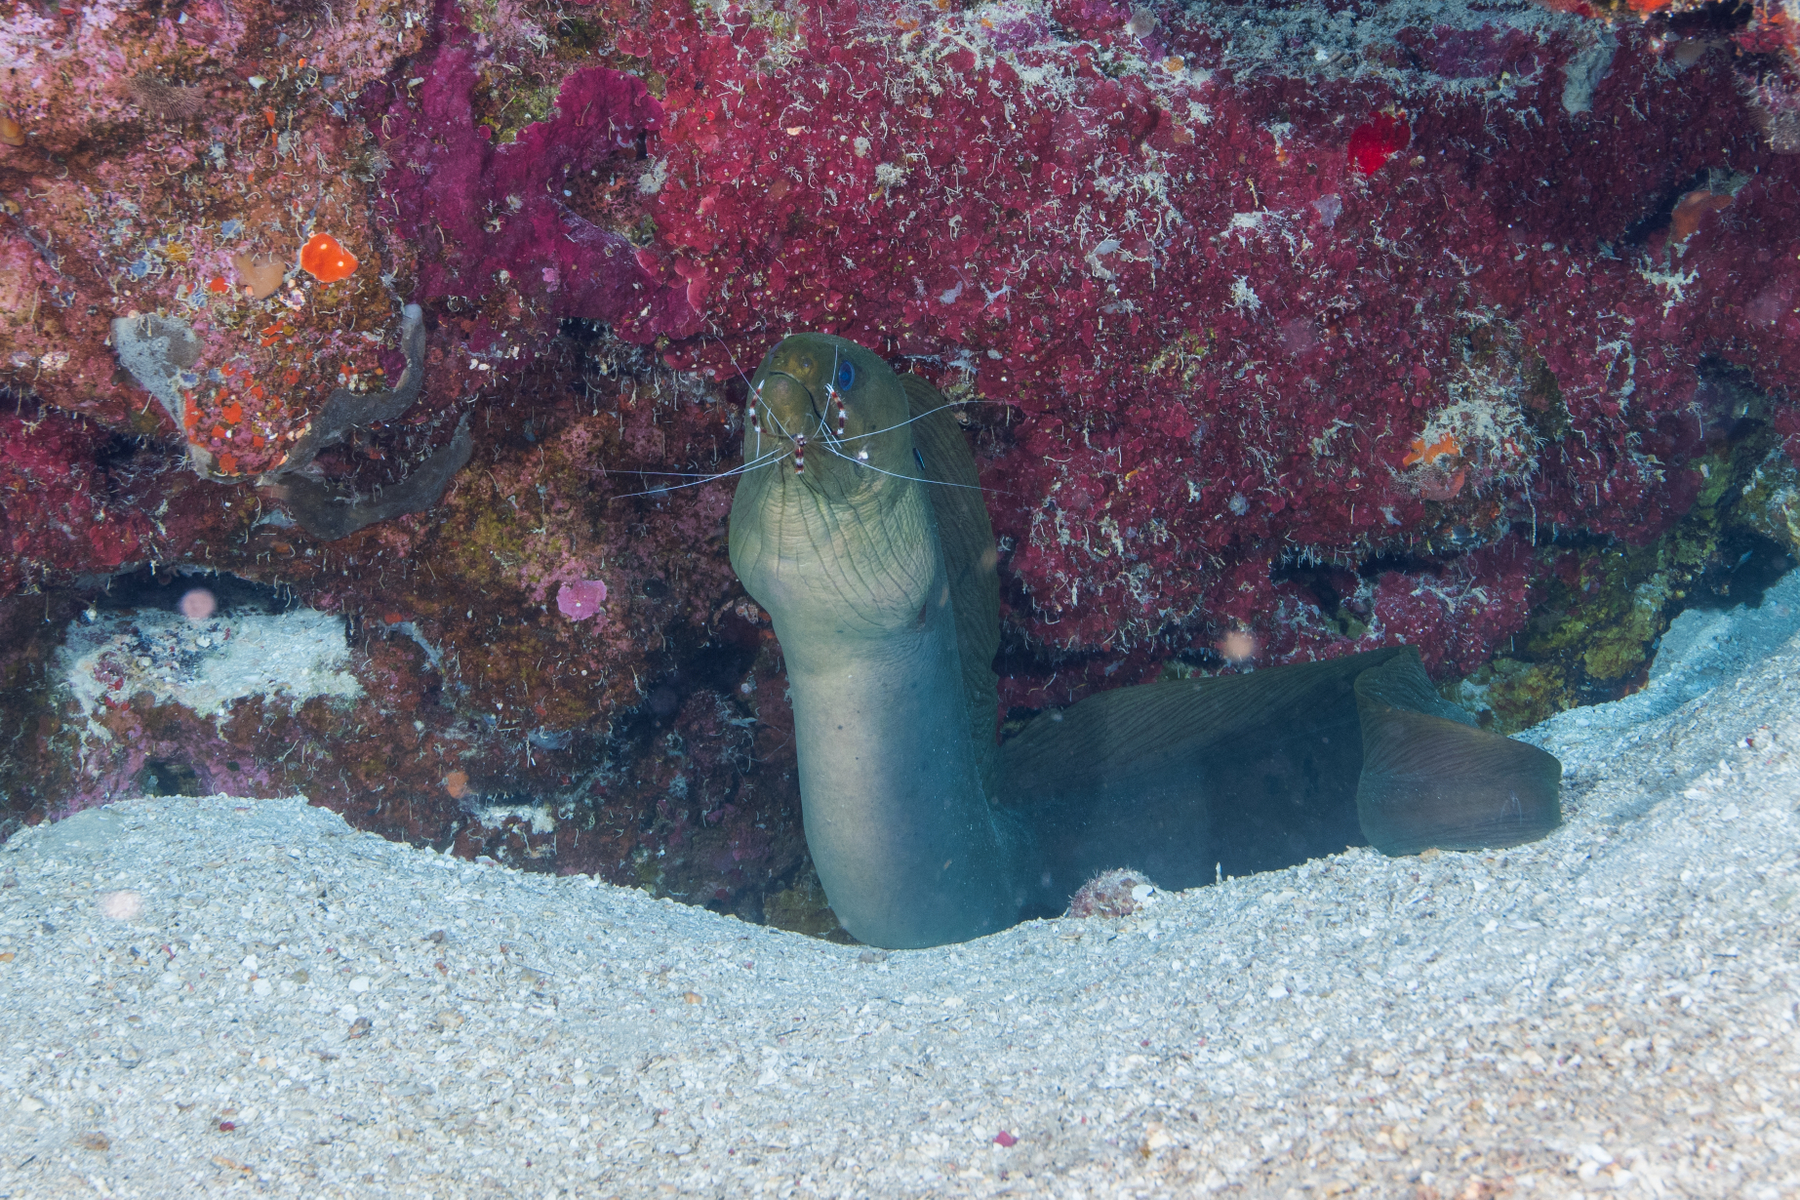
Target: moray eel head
(834,413)
(829,525)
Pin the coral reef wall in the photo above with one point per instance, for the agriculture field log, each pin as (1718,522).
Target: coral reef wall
(1281,331)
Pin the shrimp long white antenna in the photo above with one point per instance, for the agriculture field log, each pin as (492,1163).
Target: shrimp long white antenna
(728,354)
(763,460)
(750,406)
(919,417)
(703,476)
(864,463)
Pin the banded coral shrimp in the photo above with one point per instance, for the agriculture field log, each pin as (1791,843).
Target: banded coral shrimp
(829,421)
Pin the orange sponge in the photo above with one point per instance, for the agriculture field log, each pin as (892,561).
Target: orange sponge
(326,260)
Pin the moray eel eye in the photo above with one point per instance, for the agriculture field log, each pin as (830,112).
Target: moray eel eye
(846,375)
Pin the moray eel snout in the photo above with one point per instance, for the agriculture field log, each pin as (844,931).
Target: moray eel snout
(788,405)
(785,402)
(859,525)
(816,398)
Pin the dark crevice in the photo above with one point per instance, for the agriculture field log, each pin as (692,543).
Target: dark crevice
(1640,232)
(1744,566)
(716,666)
(1718,18)
(162,588)
(1377,565)
(161,777)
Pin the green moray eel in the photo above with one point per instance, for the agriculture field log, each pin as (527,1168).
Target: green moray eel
(858,524)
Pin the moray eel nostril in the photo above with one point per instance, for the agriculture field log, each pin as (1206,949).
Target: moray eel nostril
(788,405)
(877,566)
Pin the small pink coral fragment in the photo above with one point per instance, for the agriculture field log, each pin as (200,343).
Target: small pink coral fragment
(580,600)
(198,604)
(1237,645)
(1003,1138)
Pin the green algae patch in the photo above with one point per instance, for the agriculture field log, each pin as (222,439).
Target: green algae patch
(1602,610)
(1509,695)
(1770,500)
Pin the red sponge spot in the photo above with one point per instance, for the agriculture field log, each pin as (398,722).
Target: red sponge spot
(1374,142)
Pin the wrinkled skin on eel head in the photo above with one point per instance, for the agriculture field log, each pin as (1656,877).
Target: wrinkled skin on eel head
(802,539)
(859,525)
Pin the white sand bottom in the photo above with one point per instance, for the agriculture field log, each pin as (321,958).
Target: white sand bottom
(226,995)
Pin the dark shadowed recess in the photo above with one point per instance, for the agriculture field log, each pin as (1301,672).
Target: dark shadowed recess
(155,587)
(1746,565)
(167,777)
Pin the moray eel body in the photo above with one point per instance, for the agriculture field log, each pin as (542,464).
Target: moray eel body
(859,526)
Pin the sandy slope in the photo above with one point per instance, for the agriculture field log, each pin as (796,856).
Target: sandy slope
(203,996)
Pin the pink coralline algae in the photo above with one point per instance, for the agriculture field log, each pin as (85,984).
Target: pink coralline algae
(580,600)
(57,503)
